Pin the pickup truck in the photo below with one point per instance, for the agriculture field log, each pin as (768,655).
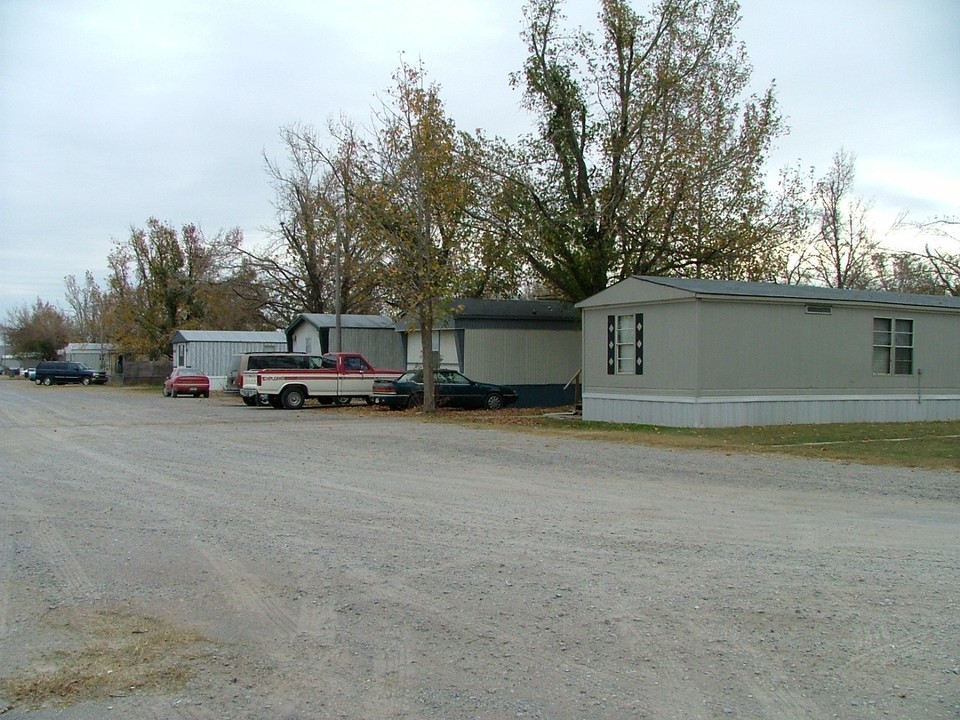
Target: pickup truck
(333,377)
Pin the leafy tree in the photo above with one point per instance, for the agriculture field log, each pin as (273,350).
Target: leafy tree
(39,332)
(414,194)
(647,159)
(162,281)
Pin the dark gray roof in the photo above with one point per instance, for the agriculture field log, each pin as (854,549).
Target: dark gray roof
(514,309)
(801,292)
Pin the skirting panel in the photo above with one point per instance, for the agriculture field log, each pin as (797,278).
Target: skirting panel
(767,410)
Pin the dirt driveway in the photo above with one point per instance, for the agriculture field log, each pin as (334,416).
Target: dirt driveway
(186,558)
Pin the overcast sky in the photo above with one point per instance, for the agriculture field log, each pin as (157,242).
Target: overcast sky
(113,111)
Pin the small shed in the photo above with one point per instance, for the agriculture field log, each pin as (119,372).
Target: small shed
(100,356)
(373,336)
(709,353)
(210,351)
(532,345)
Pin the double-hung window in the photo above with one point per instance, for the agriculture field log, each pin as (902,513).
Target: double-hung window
(625,344)
(892,346)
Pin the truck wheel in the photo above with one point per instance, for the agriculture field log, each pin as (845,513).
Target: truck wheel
(251,401)
(274,401)
(86,381)
(292,398)
(494,401)
(48,381)
(341,400)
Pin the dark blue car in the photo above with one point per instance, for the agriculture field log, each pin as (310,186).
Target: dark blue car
(453,390)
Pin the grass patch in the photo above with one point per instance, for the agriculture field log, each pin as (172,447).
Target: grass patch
(934,445)
(121,655)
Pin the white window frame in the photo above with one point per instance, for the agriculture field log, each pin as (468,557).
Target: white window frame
(893,346)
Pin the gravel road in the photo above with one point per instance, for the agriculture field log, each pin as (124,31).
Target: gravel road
(192,558)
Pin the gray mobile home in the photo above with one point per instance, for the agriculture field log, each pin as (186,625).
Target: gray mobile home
(705,353)
(532,345)
(373,336)
(211,351)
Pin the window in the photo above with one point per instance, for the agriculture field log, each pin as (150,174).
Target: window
(892,346)
(625,353)
(625,344)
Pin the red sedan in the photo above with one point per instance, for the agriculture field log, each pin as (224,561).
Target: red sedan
(186,381)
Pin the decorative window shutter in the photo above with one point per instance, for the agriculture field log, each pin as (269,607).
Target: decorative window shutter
(611,344)
(638,327)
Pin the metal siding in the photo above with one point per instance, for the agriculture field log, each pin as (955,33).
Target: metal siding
(518,357)
(748,411)
(213,357)
(382,347)
(669,349)
(759,348)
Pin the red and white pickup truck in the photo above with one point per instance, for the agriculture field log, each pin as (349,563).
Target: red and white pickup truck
(333,377)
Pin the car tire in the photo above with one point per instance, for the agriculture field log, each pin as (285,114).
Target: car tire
(275,402)
(85,381)
(165,392)
(293,398)
(415,400)
(48,381)
(249,401)
(38,381)
(342,401)
(494,401)
(206,394)
(173,392)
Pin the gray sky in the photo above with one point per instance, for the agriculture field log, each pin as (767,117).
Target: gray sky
(113,111)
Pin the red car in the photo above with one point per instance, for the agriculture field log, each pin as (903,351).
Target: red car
(186,381)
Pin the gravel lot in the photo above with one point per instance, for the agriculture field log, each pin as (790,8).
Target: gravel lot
(212,560)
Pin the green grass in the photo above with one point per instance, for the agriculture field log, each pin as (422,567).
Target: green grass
(934,445)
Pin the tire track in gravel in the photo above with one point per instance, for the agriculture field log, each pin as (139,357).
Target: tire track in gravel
(53,545)
(264,613)
(6,572)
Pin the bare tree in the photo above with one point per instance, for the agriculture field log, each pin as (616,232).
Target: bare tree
(318,259)
(842,246)
(946,264)
(88,305)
